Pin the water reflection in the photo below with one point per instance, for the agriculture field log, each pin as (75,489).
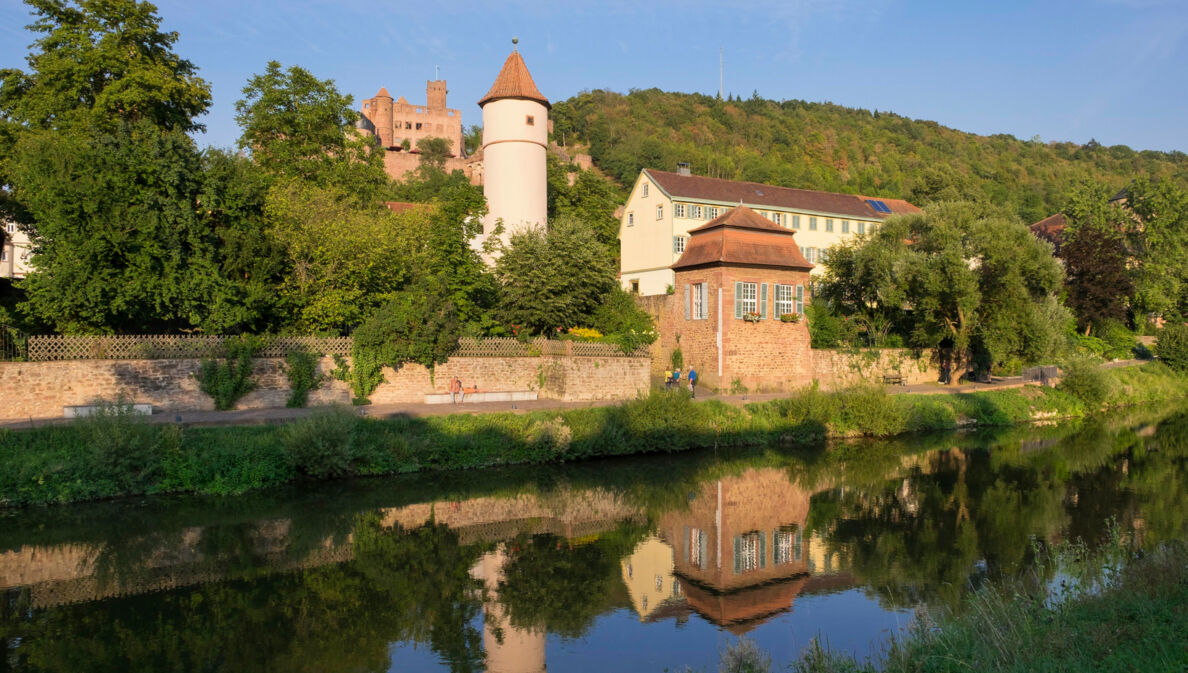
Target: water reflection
(487,571)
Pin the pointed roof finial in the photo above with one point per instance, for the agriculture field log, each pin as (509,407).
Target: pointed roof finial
(514,81)
(515,41)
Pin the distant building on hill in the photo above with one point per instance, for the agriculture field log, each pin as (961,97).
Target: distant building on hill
(663,207)
(14,253)
(399,126)
(1051,229)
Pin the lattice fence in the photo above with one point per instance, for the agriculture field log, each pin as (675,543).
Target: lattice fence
(151,347)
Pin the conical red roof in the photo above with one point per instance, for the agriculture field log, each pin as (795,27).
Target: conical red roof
(514,81)
(383,93)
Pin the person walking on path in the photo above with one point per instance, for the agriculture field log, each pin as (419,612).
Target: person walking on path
(455,390)
(693,382)
(676,378)
(668,379)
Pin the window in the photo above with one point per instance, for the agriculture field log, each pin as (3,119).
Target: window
(829,224)
(678,244)
(711,212)
(785,546)
(695,212)
(3,254)
(643,190)
(678,210)
(696,304)
(822,255)
(10,227)
(800,299)
(845,226)
(812,224)
(530,120)
(785,299)
(631,219)
(810,254)
(778,218)
(407,126)
(635,287)
(873,228)
(750,552)
(695,547)
(861,227)
(660,212)
(795,221)
(418,126)
(747,298)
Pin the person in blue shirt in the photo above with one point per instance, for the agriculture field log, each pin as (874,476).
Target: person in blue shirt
(693,381)
(676,378)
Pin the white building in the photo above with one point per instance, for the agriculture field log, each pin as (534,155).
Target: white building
(664,206)
(14,254)
(515,143)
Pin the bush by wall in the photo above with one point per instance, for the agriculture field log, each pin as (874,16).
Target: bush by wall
(301,368)
(229,378)
(1172,346)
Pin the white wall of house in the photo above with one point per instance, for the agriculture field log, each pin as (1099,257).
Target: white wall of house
(15,253)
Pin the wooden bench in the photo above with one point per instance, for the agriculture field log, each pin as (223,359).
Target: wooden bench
(893,379)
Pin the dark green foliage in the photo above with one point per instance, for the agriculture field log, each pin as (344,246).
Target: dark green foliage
(592,199)
(301,368)
(420,325)
(229,378)
(322,446)
(1157,238)
(1120,342)
(1085,380)
(1097,277)
(553,280)
(827,329)
(677,358)
(434,151)
(622,321)
(1172,346)
(796,143)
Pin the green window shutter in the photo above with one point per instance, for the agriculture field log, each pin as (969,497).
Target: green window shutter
(688,302)
(737,554)
(738,301)
(800,299)
(762,549)
(763,301)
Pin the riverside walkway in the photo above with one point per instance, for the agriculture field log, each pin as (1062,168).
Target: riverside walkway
(284,415)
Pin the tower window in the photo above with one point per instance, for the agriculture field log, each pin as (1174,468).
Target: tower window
(530,120)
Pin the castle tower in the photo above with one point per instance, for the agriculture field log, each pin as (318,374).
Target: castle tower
(515,140)
(382,116)
(435,94)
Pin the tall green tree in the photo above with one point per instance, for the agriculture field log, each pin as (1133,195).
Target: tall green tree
(963,276)
(554,279)
(434,151)
(591,198)
(298,126)
(1158,240)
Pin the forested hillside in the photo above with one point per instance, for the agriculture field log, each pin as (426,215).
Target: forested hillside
(824,146)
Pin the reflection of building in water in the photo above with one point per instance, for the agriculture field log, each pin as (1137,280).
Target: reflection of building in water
(509,649)
(739,550)
(647,572)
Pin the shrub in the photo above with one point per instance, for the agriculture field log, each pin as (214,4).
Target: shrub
(1172,347)
(119,450)
(744,657)
(322,445)
(678,358)
(826,328)
(1085,380)
(228,379)
(1119,341)
(301,367)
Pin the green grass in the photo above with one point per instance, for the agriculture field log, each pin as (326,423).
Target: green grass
(1135,621)
(117,454)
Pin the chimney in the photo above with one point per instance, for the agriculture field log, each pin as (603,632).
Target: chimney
(683,168)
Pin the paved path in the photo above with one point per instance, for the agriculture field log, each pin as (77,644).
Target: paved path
(266,416)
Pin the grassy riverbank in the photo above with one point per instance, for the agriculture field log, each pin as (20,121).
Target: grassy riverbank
(1112,610)
(115,454)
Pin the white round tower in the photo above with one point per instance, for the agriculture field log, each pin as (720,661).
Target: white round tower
(515,143)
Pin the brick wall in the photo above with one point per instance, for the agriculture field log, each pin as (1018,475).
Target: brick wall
(41,389)
(840,368)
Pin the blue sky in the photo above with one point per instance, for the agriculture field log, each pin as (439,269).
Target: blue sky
(1114,70)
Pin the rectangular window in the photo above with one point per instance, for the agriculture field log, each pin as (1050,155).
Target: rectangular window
(695,212)
(783,545)
(10,227)
(660,212)
(678,210)
(861,227)
(778,218)
(678,244)
(630,219)
(812,224)
(3,254)
(821,255)
(810,254)
(643,190)
(746,299)
(785,299)
(711,212)
(829,224)
(700,307)
(845,226)
(530,120)
(697,542)
(750,552)
(795,221)
(800,299)
(418,126)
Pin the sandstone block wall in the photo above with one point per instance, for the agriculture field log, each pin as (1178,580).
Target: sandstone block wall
(40,389)
(841,368)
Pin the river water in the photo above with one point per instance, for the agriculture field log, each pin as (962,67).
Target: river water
(641,564)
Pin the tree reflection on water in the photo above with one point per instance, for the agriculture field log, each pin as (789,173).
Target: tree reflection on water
(481,569)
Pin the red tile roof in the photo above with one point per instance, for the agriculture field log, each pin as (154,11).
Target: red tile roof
(383,93)
(514,81)
(742,236)
(1051,229)
(758,194)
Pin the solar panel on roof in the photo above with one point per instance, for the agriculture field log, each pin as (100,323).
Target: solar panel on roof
(879,206)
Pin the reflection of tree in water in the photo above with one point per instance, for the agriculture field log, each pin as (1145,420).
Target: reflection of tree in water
(553,584)
(403,586)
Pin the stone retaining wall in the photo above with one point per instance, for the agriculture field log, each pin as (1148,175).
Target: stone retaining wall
(41,389)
